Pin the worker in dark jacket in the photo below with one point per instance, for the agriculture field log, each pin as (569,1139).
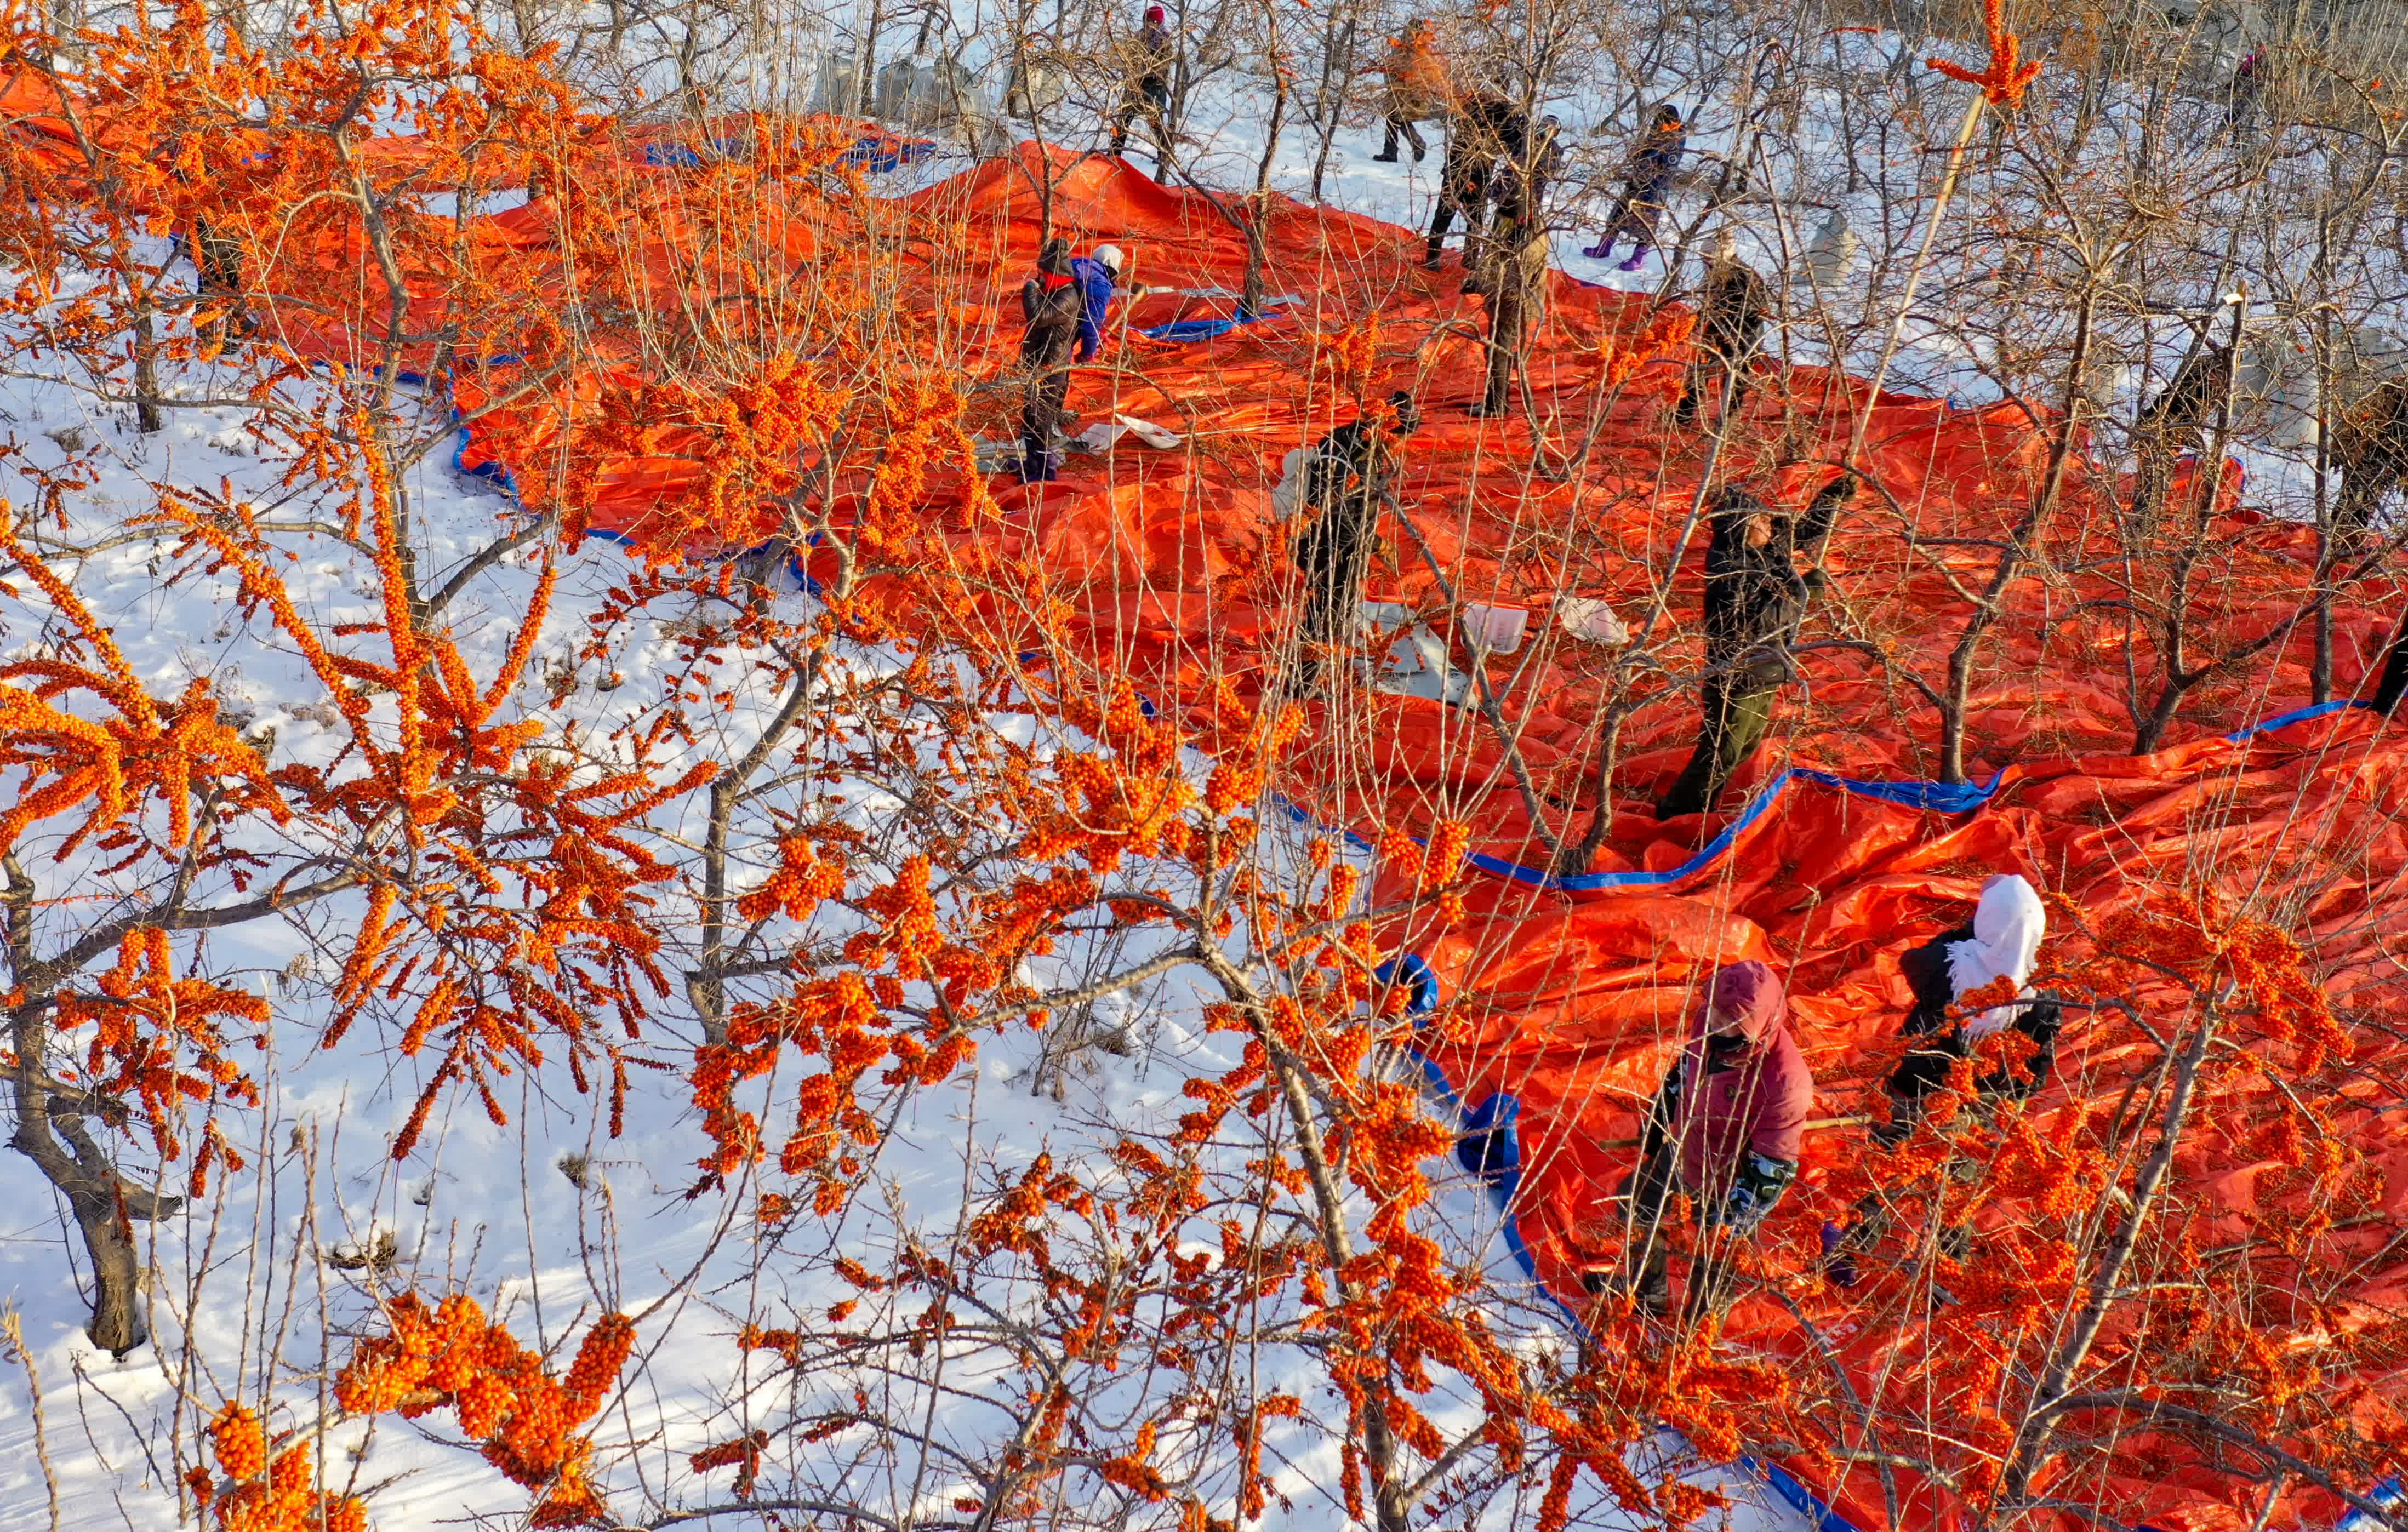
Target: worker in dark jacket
(1151,59)
(1512,264)
(1647,184)
(1726,1128)
(2393,683)
(1731,314)
(1754,600)
(1512,276)
(2177,421)
(1052,305)
(1096,275)
(2369,442)
(1347,478)
(1484,128)
(2002,942)
(2248,84)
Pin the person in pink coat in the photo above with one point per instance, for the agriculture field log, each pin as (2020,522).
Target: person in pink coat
(1725,1129)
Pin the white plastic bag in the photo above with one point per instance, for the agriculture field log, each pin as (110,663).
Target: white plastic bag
(1100,436)
(1494,630)
(1584,617)
(1155,437)
(1416,664)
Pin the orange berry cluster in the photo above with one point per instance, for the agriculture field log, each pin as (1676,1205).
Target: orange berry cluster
(261,1493)
(450,1357)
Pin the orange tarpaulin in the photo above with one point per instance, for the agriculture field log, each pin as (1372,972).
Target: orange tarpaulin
(1564,993)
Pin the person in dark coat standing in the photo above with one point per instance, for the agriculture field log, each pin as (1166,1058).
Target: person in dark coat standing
(1514,262)
(2248,83)
(1726,1127)
(2369,442)
(1054,307)
(1754,598)
(1654,159)
(2177,421)
(1347,479)
(1152,60)
(1417,89)
(1485,127)
(1731,314)
(2001,942)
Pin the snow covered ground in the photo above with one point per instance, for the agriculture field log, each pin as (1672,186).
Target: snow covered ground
(548,1222)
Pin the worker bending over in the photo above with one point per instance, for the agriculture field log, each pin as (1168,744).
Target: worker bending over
(1755,600)
(1725,1129)
(1055,312)
(2002,942)
(1096,275)
(1347,478)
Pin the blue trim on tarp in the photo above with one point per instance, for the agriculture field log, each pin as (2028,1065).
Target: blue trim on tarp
(1190,331)
(1937,797)
(1489,1143)
(876,152)
(2391,1494)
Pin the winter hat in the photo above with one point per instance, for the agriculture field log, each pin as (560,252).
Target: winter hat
(2008,925)
(1155,13)
(1668,116)
(1054,259)
(1109,258)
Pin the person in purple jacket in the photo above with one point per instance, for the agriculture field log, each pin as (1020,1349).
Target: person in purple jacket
(1096,275)
(1726,1128)
(1654,161)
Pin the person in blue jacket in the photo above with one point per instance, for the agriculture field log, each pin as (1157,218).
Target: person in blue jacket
(1654,161)
(1096,275)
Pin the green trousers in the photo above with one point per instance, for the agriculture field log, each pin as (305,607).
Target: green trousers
(1738,711)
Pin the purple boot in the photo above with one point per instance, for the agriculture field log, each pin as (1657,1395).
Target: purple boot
(1638,258)
(1600,252)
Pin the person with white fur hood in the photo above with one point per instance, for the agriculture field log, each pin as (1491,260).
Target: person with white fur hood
(2002,942)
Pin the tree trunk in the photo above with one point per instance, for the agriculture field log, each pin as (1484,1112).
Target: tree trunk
(2107,1278)
(867,97)
(1250,305)
(2320,671)
(1337,58)
(117,1325)
(146,413)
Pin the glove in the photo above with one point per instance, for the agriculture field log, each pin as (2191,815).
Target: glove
(1758,1185)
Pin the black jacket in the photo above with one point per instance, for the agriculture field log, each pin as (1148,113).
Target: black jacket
(1345,480)
(1753,597)
(2198,387)
(1926,1069)
(1053,306)
(2393,683)
(1732,311)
